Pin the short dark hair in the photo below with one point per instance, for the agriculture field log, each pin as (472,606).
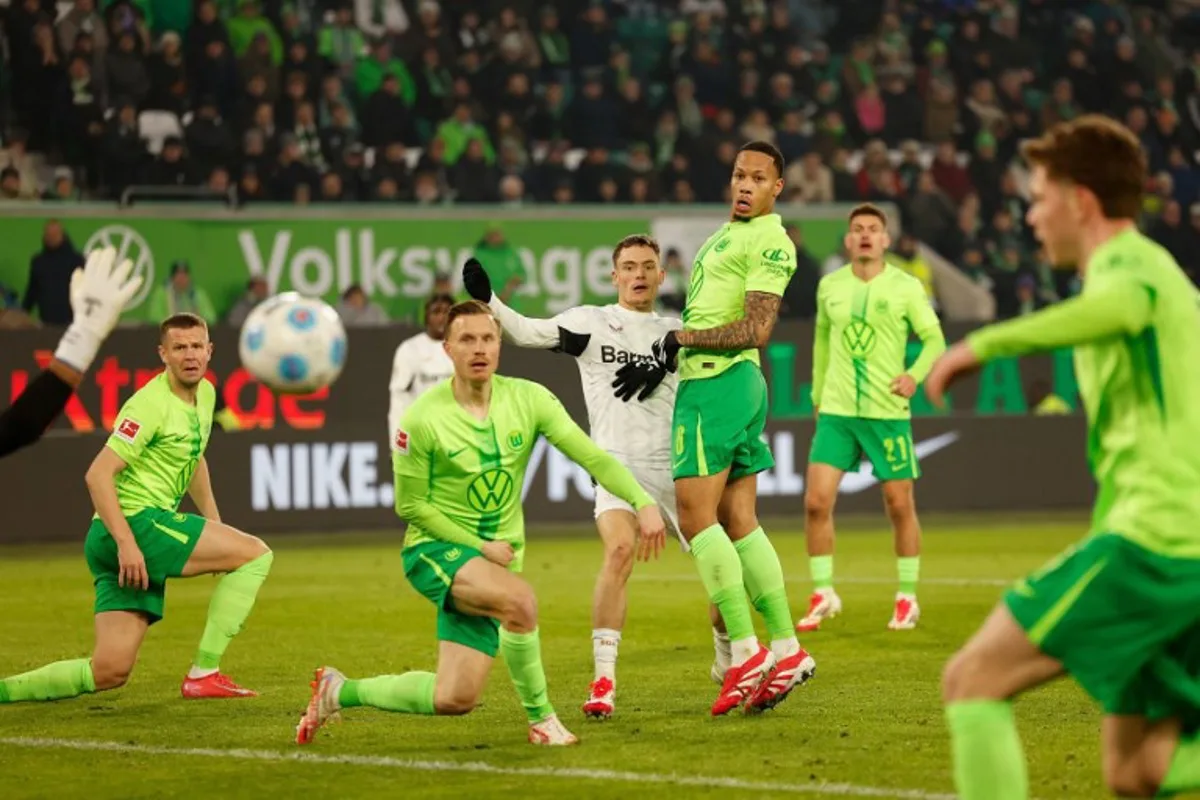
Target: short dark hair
(1099,154)
(469,308)
(766,148)
(636,240)
(439,298)
(867,210)
(183,321)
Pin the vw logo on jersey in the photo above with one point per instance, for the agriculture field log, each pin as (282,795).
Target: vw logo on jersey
(131,245)
(859,338)
(490,491)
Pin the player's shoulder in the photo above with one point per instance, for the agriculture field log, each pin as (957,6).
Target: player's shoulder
(836,278)
(430,403)
(1136,257)
(206,394)
(582,318)
(903,279)
(514,389)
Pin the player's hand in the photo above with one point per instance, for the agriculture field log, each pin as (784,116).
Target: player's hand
(131,571)
(666,349)
(905,386)
(498,553)
(958,361)
(638,377)
(476,281)
(652,533)
(99,293)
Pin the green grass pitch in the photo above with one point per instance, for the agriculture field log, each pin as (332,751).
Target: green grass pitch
(868,725)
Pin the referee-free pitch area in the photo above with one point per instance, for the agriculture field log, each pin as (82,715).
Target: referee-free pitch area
(868,725)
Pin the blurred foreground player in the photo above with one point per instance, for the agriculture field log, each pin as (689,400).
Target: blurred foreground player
(1120,611)
(99,292)
(459,461)
(138,539)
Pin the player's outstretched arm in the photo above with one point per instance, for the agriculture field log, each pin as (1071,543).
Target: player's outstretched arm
(562,432)
(201,491)
(1109,307)
(43,400)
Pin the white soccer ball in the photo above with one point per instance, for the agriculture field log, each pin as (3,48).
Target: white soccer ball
(293,344)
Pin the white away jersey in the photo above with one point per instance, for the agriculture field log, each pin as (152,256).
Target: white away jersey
(419,363)
(603,339)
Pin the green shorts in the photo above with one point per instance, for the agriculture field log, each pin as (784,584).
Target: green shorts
(1124,622)
(718,424)
(843,442)
(430,567)
(166,539)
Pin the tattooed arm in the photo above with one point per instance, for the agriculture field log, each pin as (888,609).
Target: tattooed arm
(752,331)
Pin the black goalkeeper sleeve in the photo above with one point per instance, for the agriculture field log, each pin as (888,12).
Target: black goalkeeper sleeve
(24,422)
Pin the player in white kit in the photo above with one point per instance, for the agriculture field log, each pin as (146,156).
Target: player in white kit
(420,362)
(602,339)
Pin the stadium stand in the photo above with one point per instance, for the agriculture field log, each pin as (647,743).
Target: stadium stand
(919,103)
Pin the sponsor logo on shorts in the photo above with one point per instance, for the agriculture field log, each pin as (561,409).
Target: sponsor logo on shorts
(401,442)
(452,555)
(128,429)
(179,517)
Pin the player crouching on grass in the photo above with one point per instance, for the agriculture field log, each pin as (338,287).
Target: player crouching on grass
(138,540)
(460,456)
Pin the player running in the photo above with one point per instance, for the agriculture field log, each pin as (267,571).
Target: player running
(420,362)
(460,459)
(1120,611)
(601,339)
(861,391)
(138,540)
(720,412)
(98,294)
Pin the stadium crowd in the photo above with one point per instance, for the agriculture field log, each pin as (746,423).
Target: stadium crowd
(917,103)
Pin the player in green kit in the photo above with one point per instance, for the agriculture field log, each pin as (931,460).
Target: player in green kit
(460,456)
(1120,611)
(861,391)
(138,539)
(717,428)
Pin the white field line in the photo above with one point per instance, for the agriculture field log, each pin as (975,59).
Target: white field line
(481,768)
(675,578)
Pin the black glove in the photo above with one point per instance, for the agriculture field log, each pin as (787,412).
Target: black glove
(665,350)
(640,378)
(476,281)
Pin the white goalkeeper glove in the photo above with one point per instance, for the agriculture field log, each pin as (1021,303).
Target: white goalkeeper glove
(99,293)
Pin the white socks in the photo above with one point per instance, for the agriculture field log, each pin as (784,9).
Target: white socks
(604,649)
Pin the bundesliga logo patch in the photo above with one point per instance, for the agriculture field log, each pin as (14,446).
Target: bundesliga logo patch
(128,429)
(402,442)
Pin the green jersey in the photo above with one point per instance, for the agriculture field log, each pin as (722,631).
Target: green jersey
(860,340)
(161,438)
(1135,328)
(752,256)
(459,478)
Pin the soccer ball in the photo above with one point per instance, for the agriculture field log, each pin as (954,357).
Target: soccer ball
(293,344)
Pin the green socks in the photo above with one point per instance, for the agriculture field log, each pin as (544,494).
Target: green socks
(410,693)
(988,761)
(763,576)
(721,571)
(523,656)
(56,681)
(821,569)
(1183,775)
(231,603)
(908,570)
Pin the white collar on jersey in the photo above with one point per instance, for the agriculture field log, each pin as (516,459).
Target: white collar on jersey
(620,309)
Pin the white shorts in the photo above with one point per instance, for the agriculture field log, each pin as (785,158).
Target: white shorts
(656,480)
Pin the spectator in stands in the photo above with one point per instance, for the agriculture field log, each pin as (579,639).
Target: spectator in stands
(800,297)
(63,189)
(17,157)
(256,291)
(179,294)
(907,257)
(49,287)
(501,261)
(357,310)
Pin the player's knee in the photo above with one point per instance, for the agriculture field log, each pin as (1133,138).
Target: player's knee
(521,611)
(618,558)
(455,702)
(110,672)
(956,676)
(899,505)
(818,505)
(255,548)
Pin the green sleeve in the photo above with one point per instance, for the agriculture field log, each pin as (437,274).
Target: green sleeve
(771,260)
(1109,306)
(136,424)
(408,87)
(205,306)
(411,465)
(924,322)
(156,309)
(325,42)
(820,357)
(563,433)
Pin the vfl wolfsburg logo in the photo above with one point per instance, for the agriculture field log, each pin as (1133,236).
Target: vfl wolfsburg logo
(490,491)
(881,306)
(128,244)
(452,555)
(859,338)
(515,440)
